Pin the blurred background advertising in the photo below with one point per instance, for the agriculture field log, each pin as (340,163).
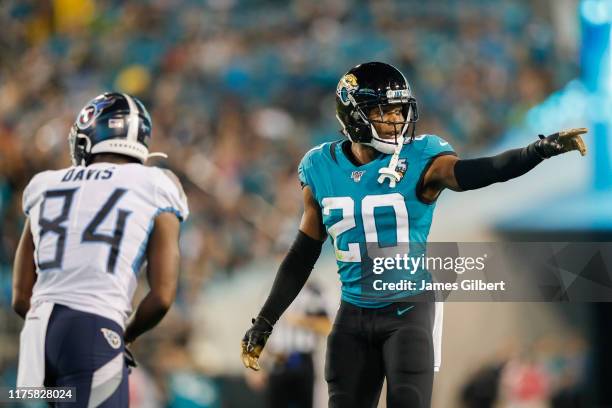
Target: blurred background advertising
(239,90)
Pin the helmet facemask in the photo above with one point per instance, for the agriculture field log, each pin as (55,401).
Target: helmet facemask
(393,99)
(80,147)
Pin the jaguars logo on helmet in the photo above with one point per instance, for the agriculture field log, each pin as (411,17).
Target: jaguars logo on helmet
(374,85)
(111,123)
(347,84)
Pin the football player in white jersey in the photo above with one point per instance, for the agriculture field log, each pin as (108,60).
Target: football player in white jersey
(90,229)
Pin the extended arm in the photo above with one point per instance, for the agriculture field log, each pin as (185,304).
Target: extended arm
(460,175)
(24,272)
(290,279)
(162,272)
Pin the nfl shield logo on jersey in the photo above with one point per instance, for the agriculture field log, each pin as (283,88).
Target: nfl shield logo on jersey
(356,175)
(112,338)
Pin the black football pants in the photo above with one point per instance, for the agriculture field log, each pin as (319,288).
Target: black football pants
(367,345)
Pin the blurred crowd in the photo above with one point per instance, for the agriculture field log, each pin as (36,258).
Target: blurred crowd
(550,373)
(240,90)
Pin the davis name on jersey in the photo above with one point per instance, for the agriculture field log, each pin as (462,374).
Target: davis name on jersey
(359,212)
(91,226)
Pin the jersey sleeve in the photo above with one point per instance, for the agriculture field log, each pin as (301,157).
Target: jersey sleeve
(169,195)
(31,194)
(303,172)
(305,168)
(436,146)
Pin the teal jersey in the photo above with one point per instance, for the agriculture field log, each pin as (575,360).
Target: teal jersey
(360,213)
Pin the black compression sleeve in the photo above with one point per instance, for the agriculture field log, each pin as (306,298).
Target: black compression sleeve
(291,276)
(476,173)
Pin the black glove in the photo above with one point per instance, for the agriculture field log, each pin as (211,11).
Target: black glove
(129,359)
(561,142)
(254,341)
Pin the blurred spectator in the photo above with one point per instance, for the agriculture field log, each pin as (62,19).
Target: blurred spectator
(549,373)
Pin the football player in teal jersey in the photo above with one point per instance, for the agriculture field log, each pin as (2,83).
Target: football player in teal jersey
(379,188)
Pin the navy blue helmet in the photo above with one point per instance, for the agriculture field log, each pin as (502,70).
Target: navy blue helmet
(111,123)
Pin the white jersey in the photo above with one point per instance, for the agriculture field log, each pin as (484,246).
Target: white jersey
(91,226)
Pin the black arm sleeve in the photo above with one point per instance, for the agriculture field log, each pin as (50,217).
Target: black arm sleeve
(291,276)
(477,173)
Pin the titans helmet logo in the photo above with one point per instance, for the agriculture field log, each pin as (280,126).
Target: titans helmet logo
(89,113)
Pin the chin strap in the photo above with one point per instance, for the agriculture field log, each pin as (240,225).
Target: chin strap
(389,172)
(157,154)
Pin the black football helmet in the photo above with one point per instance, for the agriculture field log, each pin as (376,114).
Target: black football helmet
(111,123)
(374,85)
